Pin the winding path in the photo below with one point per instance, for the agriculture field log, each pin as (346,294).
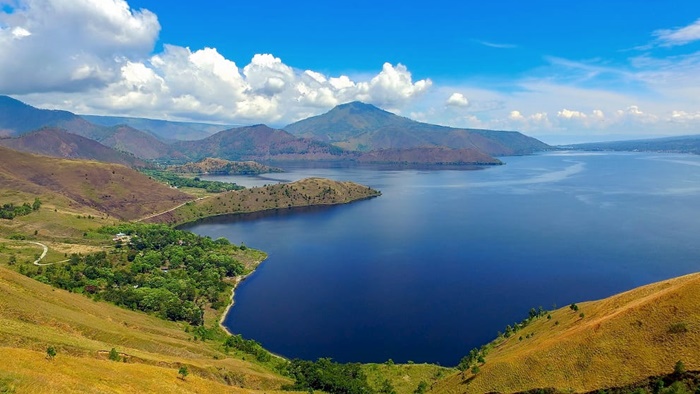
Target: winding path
(43,254)
(171,209)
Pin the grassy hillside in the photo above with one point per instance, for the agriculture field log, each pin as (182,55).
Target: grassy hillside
(306,192)
(35,316)
(109,189)
(611,342)
(405,378)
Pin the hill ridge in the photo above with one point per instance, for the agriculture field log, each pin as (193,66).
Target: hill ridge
(618,340)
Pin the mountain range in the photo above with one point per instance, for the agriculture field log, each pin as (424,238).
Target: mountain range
(350,132)
(680,144)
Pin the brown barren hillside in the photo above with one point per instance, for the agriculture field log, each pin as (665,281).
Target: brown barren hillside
(56,142)
(306,192)
(607,343)
(35,316)
(110,188)
(136,142)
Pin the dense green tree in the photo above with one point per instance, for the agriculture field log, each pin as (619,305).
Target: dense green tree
(114,355)
(171,273)
(328,376)
(183,372)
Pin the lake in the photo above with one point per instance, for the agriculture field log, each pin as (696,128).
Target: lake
(446,258)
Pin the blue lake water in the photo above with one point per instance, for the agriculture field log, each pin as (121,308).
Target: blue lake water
(446,258)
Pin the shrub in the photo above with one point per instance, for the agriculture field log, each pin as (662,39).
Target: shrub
(422,387)
(679,368)
(678,328)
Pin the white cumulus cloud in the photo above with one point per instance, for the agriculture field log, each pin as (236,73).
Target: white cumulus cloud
(457,100)
(68,45)
(568,114)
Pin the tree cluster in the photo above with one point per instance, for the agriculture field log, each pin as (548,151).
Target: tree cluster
(179,181)
(328,376)
(249,346)
(171,273)
(11,211)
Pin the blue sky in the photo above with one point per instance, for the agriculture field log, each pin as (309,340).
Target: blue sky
(559,71)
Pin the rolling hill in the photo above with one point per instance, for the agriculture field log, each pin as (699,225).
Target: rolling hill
(363,127)
(112,189)
(35,316)
(306,192)
(612,342)
(260,143)
(50,141)
(137,142)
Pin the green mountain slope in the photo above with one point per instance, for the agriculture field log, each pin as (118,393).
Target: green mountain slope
(363,127)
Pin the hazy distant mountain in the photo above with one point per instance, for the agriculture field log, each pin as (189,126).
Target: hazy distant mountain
(17,117)
(680,144)
(137,142)
(428,155)
(363,127)
(163,129)
(258,142)
(51,141)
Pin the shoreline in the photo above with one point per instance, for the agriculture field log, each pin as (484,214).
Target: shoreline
(237,281)
(181,224)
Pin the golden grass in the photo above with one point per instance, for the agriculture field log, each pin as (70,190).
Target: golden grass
(620,340)
(27,371)
(34,316)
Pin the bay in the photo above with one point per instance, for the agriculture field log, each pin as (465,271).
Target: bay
(447,257)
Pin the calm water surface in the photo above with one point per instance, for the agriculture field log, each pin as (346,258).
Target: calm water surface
(444,259)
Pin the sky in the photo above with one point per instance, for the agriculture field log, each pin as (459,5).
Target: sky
(559,71)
